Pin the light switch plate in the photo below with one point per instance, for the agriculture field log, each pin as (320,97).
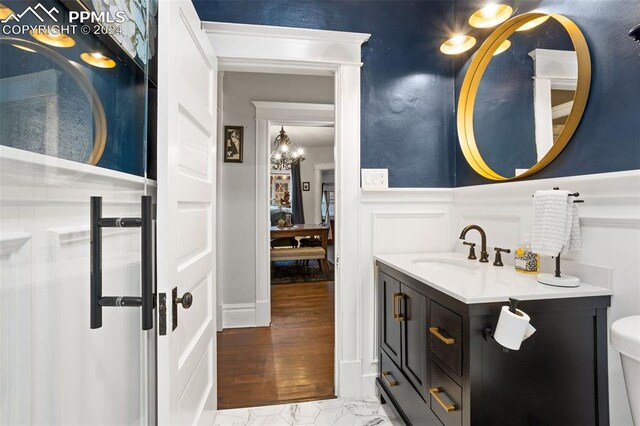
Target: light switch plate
(375,179)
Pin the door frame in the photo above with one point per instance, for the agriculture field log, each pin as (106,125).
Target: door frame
(282,50)
(317,174)
(275,114)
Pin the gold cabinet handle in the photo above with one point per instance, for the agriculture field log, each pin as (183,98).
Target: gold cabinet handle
(444,339)
(435,393)
(397,306)
(386,375)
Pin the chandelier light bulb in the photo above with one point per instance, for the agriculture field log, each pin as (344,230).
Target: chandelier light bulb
(285,155)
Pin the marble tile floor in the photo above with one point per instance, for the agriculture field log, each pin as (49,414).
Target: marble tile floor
(342,411)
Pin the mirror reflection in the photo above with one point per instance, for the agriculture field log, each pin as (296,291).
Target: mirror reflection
(525,97)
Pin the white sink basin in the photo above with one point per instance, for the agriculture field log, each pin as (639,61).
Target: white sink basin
(443,263)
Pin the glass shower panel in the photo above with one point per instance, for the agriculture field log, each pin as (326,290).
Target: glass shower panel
(74,119)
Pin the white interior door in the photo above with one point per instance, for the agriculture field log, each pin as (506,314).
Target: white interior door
(187,97)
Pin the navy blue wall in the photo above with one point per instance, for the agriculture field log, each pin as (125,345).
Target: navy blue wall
(408,95)
(608,138)
(407,84)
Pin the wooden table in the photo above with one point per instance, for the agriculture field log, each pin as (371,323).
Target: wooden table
(306,230)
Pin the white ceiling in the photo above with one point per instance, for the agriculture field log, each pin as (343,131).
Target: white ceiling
(306,136)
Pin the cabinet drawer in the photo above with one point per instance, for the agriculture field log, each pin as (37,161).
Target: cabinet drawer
(396,384)
(445,397)
(445,336)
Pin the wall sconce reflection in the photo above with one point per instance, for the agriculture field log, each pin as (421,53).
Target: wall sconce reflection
(503,46)
(97,59)
(56,40)
(457,44)
(25,48)
(490,15)
(5,12)
(532,24)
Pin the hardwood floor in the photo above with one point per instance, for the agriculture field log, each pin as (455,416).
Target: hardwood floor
(290,361)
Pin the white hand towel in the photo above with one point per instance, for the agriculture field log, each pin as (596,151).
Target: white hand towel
(575,236)
(556,225)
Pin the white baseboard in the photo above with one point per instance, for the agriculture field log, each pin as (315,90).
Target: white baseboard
(350,379)
(219,323)
(369,384)
(238,315)
(263,313)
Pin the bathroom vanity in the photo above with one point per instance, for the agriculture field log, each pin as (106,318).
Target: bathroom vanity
(438,362)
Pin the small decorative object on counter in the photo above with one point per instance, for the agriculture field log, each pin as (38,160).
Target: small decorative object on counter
(526,261)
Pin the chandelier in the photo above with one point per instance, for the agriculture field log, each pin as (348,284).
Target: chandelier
(284,155)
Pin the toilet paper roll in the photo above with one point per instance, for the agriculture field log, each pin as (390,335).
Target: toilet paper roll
(512,328)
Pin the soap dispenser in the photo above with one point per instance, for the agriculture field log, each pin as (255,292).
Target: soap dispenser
(526,261)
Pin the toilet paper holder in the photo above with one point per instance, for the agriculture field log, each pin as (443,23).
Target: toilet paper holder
(488,332)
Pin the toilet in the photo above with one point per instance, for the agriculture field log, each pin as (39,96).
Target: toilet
(625,338)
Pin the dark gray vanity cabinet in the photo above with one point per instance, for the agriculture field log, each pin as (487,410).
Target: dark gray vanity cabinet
(439,366)
(390,326)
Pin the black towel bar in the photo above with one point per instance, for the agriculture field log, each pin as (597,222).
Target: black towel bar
(572,194)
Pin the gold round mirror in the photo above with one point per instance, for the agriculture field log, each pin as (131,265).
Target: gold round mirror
(523,95)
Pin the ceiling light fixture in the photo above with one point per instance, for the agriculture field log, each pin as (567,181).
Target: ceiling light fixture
(97,59)
(503,46)
(533,23)
(284,155)
(490,15)
(52,39)
(457,44)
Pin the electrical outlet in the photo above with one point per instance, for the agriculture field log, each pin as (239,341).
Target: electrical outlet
(375,179)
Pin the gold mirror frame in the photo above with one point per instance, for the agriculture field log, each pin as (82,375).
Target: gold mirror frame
(476,70)
(99,117)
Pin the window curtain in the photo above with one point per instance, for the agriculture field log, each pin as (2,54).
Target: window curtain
(297,208)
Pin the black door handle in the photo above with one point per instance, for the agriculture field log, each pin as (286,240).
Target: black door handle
(145,223)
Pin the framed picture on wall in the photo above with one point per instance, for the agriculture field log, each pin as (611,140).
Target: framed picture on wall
(233,144)
(305,186)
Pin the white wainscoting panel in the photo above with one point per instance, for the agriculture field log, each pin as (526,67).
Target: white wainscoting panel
(409,232)
(55,369)
(395,221)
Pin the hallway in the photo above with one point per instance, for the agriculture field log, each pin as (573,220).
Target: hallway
(293,360)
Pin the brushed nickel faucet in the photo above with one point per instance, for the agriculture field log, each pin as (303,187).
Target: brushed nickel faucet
(484,256)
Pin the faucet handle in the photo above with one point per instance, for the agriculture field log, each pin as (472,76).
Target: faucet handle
(472,251)
(498,260)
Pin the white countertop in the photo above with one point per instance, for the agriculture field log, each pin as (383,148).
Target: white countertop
(473,282)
